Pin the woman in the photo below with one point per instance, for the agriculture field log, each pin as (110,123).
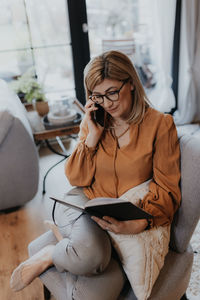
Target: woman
(135,143)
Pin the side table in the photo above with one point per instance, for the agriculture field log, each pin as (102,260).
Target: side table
(39,131)
(42,134)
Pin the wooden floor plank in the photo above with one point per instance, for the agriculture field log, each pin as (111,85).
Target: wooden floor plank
(17,230)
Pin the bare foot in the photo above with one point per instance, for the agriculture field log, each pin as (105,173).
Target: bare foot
(28,270)
(54,229)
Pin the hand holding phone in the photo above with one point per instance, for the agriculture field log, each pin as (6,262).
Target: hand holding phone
(94,116)
(99,115)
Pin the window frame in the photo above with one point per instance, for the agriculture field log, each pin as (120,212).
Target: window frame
(176,53)
(79,42)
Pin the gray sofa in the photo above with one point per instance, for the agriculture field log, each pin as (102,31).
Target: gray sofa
(19,164)
(174,277)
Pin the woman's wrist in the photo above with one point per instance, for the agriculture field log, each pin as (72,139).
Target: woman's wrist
(142,225)
(91,141)
(134,226)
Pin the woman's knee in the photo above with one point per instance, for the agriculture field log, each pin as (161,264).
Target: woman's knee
(86,251)
(93,256)
(90,242)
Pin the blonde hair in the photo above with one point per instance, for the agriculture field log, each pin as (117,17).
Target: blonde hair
(117,66)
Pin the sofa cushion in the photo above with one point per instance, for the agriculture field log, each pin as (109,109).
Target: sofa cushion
(187,129)
(186,218)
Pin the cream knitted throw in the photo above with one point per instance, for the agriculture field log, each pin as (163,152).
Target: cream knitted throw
(142,255)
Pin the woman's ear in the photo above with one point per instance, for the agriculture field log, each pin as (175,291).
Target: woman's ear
(132,87)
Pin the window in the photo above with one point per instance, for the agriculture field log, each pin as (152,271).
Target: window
(36,34)
(123,25)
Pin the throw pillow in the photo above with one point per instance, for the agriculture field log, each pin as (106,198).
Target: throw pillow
(142,255)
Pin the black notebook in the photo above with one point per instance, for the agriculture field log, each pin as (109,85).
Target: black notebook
(112,207)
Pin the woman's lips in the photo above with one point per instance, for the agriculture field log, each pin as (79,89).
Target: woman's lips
(112,110)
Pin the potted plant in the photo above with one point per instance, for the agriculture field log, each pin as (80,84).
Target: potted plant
(31,91)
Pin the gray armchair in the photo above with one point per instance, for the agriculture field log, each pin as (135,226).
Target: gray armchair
(19,164)
(174,277)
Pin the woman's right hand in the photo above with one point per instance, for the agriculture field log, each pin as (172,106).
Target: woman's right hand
(95,130)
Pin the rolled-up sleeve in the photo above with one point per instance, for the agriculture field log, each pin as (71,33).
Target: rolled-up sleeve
(80,166)
(164,194)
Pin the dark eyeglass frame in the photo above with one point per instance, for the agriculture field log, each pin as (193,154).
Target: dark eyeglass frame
(106,95)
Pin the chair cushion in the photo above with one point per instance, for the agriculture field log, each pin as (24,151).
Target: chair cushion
(106,285)
(186,218)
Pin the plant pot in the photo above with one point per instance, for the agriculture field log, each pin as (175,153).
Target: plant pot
(42,107)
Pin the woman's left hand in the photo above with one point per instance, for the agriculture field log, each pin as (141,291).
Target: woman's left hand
(121,227)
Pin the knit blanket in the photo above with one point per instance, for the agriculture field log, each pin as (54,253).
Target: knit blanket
(142,255)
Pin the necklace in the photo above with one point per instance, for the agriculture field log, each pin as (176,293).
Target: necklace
(119,136)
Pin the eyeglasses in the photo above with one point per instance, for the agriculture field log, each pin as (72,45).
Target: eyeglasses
(112,95)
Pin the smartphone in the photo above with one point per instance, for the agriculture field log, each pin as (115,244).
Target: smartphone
(99,115)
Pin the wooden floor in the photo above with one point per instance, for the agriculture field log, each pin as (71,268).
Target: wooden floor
(17,230)
(20,227)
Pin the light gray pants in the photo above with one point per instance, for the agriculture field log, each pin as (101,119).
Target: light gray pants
(85,250)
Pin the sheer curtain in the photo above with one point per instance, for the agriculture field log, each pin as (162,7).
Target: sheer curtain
(163,12)
(189,76)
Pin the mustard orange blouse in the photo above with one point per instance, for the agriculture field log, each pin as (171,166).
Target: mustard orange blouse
(152,152)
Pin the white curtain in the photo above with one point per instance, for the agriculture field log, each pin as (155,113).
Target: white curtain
(189,75)
(163,12)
